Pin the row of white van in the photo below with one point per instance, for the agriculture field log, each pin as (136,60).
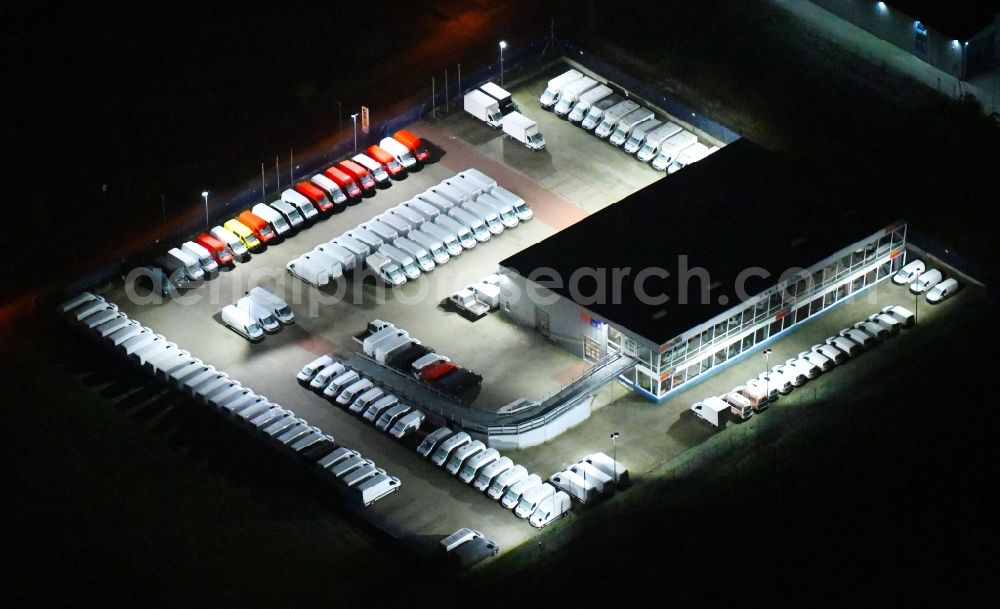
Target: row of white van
(419,234)
(596,108)
(339,382)
(473,463)
(258,312)
(922,280)
(202,383)
(754,396)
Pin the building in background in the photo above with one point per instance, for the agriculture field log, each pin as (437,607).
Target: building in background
(739,210)
(961,37)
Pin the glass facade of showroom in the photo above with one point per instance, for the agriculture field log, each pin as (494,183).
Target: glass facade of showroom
(686,358)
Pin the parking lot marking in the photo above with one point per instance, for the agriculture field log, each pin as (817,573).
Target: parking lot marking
(551,209)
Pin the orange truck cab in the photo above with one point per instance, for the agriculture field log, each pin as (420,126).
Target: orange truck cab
(314,194)
(388,161)
(217,248)
(359,173)
(412,142)
(346,182)
(258,225)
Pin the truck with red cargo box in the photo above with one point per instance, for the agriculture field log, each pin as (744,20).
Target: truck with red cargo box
(435,372)
(315,195)
(387,160)
(261,229)
(219,250)
(346,182)
(359,173)
(412,142)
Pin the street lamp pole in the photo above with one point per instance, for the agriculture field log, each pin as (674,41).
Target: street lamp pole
(916,308)
(503,45)
(354,118)
(614,452)
(204,195)
(767,378)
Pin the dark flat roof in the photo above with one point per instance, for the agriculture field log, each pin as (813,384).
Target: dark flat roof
(737,208)
(960,19)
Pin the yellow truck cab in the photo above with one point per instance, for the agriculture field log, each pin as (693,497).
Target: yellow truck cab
(244,233)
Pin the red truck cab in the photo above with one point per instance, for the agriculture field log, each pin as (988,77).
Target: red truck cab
(346,182)
(388,161)
(260,227)
(435,372)
(314,194)
(359,173)
(217,248)
(412,142)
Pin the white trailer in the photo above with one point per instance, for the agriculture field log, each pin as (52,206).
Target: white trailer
(524,130)
(483,107)
(555,87)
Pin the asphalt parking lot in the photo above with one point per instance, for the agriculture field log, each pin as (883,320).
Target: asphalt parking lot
(575,176)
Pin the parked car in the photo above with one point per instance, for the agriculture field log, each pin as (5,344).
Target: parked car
(942,291)
(909,272)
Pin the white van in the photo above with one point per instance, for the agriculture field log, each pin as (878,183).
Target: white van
(532,498)
(872,329)
(476,463)
(461,454)
(230,239)
(278,306)
(290,212)
(489,473)
(888,322)
(353,391)
(328,372)
(373,167)
(432,244)
(366,399)
(381,230)
(503,482)
(381,405)
(241,323)
(408,422)
(181,266)
(830,352)
(487,214)
(908,273)
(408,215)
(902,315)
(299,200)
(502,207)
(857,336)
(445,449)
(272,217)
(401,258)
(475,224)
(330,188)
(400,152)
(201,254)
(942,291)
(454,230)
(926,281)
(849,347)
(389,416)
(431,441)
(421,255)
(337,384)
(521,208)
(259,313)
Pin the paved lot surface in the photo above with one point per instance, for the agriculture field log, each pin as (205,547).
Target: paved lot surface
(574,177)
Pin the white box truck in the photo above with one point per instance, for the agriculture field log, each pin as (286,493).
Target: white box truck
(595,115)
(501,95)
(483,107)
(655,138)
(555,86)
(603,482)
(571,93)
(673,147)
(692,154)
(628,123)
(586,102)
(713,410)
(585,491)
(638,136)
(396,223)
(310,269)
(449,239)
(611,116)
(524,130)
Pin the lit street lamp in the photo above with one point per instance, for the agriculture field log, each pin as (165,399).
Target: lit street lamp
(614,452)
(354,118)
(204,195)
(503,45)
